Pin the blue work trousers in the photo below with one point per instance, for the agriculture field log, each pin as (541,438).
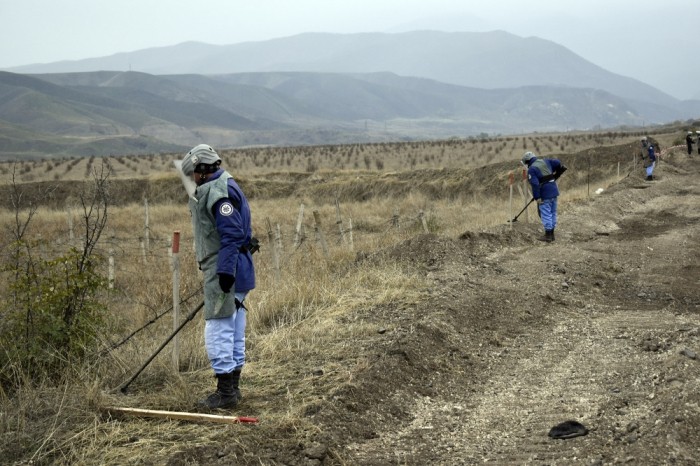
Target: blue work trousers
(650,168)
(224,339)
(548,213)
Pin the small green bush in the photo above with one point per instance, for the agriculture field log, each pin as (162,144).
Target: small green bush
(53,316)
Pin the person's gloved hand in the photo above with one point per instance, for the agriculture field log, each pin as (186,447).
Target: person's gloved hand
(539,201)
(226,282)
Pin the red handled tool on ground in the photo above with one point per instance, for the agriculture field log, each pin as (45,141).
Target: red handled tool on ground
(116,412)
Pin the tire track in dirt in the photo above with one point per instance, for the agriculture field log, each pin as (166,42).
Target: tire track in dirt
(576,371)
(584,368)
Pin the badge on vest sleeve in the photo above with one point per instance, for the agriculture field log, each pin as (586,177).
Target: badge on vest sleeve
(226,209)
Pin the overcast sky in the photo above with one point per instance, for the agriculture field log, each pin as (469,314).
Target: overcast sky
(657,42)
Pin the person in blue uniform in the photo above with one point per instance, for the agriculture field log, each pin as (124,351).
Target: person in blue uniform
(224,244)
(650,162)
(542,175)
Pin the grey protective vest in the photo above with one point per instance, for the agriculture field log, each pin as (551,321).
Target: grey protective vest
(206,238)
(544,169)
(207,244)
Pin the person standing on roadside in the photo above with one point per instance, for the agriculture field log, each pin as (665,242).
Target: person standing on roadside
(697,134)
(542,175)
(224,245)
(689,142)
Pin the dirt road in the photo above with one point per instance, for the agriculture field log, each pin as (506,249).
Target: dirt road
(601,327)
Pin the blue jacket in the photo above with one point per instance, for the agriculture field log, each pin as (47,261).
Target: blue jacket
(223,227)
(652,155)
(541,173)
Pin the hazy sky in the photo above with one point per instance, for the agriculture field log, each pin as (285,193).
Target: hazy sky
(657,42)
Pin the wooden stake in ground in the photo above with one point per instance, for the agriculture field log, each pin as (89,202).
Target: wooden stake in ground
(299,232)
(339,220)
(352,245)
(511,180)
(421,216)
(147,226)
(110,279)
(143,250)
(176,297)
(273,250)
(71,234)
(179,415)
(319,233)
(526,189)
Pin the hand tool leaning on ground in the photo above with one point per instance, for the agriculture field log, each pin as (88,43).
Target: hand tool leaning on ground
(253,247)
(515,219)
(189,317)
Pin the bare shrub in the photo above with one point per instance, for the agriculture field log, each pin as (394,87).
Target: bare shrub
(53,311)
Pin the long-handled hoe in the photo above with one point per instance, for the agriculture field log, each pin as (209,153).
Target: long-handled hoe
(515,219)
(173,415)
(189,317)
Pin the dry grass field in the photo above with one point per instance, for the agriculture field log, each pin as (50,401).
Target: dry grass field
(314,375)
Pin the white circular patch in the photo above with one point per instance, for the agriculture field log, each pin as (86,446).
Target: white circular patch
(226,209)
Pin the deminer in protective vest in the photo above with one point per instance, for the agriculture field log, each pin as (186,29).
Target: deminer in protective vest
(650,162)
(224,245)
(542,175)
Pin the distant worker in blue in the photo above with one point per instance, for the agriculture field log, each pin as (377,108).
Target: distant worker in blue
(650,162)
(224,245)
(543,175)
(689,142)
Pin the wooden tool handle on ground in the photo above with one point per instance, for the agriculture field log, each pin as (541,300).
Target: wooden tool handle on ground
(181,416)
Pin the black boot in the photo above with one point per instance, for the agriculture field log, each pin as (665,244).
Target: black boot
(235,380)
(227,394)
(650,178)
(548,236)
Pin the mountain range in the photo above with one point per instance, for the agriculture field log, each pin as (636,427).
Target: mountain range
(318,88)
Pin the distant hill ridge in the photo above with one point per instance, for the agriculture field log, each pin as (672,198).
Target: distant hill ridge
(486,60)
(318,88)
